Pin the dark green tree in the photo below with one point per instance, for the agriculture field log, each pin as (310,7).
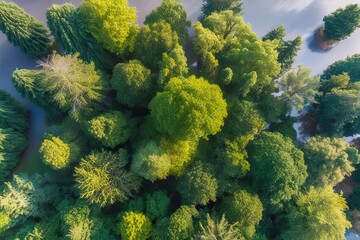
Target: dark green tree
(210,6)
(133,83)
(329,160)
(204,116)
(340,81)
(198,185)
(12,114)
(354,198)
(24,31)
(276,34)
(67,26)
(181,225)
(173,13)
(157,205)
(349,65)
(341,23)
(102,179)
(283,173)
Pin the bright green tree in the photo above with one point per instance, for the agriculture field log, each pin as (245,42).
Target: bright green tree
(133,83)
(151,162)
(102,179)
(245,209)
(24,31)
(135,226)
(340,81)
(299,87)
(173,64)
(283,173)
(55,152)
(329,160)
(204,115)
(157,204)
(197,186)
(173,13)
(341,23)
(67,26)
(110,129)
(210,6)
(318,214)
(160,37)
(181,225)
(111,22)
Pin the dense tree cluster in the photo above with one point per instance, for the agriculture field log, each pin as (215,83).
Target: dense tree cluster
(143,144)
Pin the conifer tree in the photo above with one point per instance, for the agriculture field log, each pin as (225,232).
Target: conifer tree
(24,31)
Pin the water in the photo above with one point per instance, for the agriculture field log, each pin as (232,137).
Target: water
(301,17)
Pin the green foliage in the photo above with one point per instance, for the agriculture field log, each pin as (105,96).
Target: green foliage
(197,185)
(181,224)
(157,205)
(55,153)
(110,129)
(67,26)
(135,226)
(204,115)
(272,108)
(276,34)
(286,128)
(72,84)
(350,65)
(151,162)
(338,108)
(4,221)
(25,197)
(133,83)
(101,178)
(244,209)
(160,37)
(210,6)
(340,81)
(283,173)
(318,214)
(111,23)
(214,229)
(299,87)
(341,23)
(12,114)
(24,31)
(329,160)
(173,13)
(354,198)
(172,65)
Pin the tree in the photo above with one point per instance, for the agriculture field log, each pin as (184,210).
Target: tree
(299,87)
(101,178)
(111,23)
(340,81)
(204,115)
(25,197)
(341,23)
(210,6)
(337,109)
(318,214)
(151,162)
(173,64)
(157,205)
(110,128)
(133,83)
(72,84)
(349,65)
(67,26)
(161,38)
(24,31)
(218,229)
(245,209)
(276,34)
(135,226)
(197,185)
(181,224)
(173,13)
(283,173)
(55,153)
(12,114)
(329,160)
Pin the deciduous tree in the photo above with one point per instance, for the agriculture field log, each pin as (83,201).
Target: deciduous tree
(135,226)
(55,153)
